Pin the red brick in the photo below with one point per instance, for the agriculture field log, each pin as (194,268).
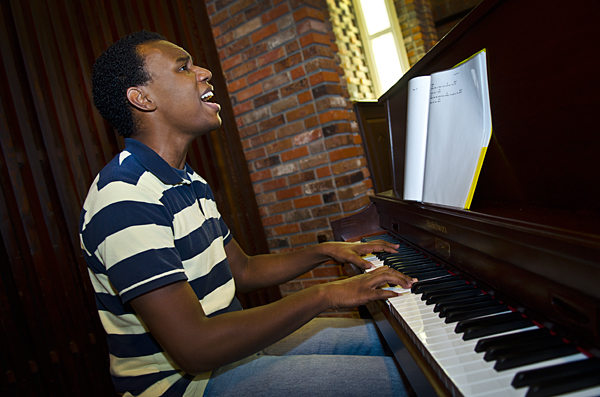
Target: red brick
(323,172)
(264,33)
(310,24)
(338,141)
(255,154)
(231,62)
(318,186)
(248,131)
(274,184)
(294,154)
(237,85)
(314,38)
(279,146)
(301,177)
(310,201)
(243,69)
(243,108)
(275,13)
(290,129)
(296,86)
(326,210)
(314,161)
(301,112)
(272,220)
(286,229)
(249,93)
(272,123)
(356,204)
(282,206)
(347,165)
(319,223)
(344,153)
(303,239)
(304,97)
(260,175)
(308,136)
(311,122)
(272,56)
(289,193)
(288,62)
(267,198)
(323,76)
(260,74)
(298,72)
(332,115)
(308,12)
(238,46)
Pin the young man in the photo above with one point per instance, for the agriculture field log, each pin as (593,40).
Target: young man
(165,267)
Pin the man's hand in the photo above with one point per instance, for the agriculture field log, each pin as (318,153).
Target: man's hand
(364,288)
(352,252)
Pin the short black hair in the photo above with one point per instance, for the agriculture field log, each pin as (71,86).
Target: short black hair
(116,70)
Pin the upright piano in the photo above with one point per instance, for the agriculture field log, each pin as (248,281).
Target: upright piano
(530,243)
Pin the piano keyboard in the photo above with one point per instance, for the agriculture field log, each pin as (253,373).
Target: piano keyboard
(476,344)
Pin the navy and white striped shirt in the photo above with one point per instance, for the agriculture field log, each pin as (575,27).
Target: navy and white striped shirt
(144,226)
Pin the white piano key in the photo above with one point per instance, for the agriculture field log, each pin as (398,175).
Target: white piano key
(464,367)
(590,392)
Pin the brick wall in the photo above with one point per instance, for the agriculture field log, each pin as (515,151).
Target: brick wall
(295,120)
(418,28)
(289,85)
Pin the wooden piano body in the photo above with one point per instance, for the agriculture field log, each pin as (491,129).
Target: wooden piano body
(532,235)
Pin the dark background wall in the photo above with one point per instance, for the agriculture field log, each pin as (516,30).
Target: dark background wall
(53,144)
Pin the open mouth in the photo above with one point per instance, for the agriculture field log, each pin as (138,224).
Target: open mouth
(207,96)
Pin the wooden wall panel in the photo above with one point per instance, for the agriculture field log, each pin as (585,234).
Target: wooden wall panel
(53,144)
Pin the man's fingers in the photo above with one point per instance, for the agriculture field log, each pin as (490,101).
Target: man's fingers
(394,277)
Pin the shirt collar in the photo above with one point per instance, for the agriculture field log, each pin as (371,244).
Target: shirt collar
(154,163)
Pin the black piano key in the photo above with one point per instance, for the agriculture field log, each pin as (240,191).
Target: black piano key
(408,262)
(439,307)
(433,282)
(564,385)
(454,297)
(414,266)
(439,286)
(518,360)
(426,275)
(512,351)
(460,315)
(534,376)
(447,291)
(516,338)
(490,325)
(451,308)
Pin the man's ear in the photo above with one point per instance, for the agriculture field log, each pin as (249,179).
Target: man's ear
(140,100)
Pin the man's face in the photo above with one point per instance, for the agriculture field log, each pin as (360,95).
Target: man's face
(179,90)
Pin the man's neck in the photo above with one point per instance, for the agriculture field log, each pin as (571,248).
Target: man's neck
(172,150)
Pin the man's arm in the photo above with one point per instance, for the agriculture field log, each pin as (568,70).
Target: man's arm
(197,343)
(259,271)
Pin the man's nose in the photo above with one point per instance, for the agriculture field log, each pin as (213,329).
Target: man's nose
(203,75)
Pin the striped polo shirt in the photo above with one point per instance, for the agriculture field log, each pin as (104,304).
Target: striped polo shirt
(145,225)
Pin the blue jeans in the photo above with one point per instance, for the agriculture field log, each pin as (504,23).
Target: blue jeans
(329,357)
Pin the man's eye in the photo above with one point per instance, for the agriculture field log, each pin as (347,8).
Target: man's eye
(184,67)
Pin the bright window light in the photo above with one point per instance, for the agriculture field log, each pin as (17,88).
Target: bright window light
(386,60)
(376,17)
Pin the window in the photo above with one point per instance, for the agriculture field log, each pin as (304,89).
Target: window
(382,40)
